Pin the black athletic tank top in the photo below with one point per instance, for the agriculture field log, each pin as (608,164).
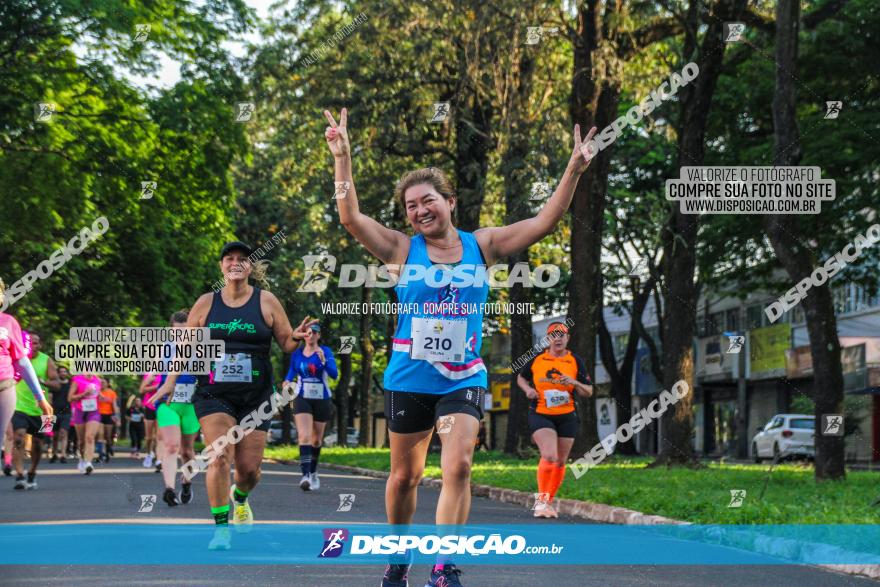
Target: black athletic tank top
(243,329)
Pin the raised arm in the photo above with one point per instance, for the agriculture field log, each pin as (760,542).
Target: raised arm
(502,241)
(381,241)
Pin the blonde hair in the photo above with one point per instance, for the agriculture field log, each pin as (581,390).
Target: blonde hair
(260,271)
(2,291)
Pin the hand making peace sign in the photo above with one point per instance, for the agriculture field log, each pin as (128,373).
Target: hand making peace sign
(337,135)
(581,155)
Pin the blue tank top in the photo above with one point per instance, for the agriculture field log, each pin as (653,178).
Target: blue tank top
(305,369)
(182,379)
(407,374)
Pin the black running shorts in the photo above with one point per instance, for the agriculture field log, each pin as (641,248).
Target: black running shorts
(566,425)
(409,411)
(320,409)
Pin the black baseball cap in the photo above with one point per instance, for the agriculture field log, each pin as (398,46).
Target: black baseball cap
(235,246)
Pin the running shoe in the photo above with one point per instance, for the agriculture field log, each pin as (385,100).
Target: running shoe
(63,460)
(81,467)
(444,576)
(314,482)
(31,482)
(54,459)
(306,483)
(186,493)
(158,466)
(20,483)
(170,497)
(551,511)
(221,540)
(542,509)
(242,516)
(148,461)
(396,576)
(7,470)
(89,468)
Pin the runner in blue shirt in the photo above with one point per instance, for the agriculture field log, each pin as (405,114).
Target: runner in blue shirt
(311,367)
(435,375)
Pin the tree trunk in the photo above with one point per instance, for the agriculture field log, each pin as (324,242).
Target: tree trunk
(621,377)
(472,145)
(514,172)
(621,381)
(286,416)
(341,395)
(366,376)
(591,104)
(797,258)
(520,343)
(680,238)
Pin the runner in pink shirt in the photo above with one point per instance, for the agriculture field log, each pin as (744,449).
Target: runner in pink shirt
(83,397)
(149,385)
(14,359)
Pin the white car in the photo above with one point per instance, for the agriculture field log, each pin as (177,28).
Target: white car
(351,440)
(786,435)
(275,432)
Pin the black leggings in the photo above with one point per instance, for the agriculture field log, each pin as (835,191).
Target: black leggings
(136,432)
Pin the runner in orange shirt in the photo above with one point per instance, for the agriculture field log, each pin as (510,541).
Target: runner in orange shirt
(108,407)
(550,381)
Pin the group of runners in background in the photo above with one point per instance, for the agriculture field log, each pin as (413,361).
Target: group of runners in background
(435,370)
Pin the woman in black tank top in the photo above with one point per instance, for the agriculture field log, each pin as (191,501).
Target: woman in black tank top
(234,403)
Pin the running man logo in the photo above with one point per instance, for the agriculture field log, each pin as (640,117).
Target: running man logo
(535,34)
(141,32)
(147,503)
(541,500)
(441,111)
(444,424)
(334,542)
(737,497)
(832,109)
(540,190)
(551,375)
(340,189)
(234,326)
(318,270)
(47,423)
(346,345)
(736,344)
(148,188)
(733,31)
(346,501)
(43,111)
(832,425)
(244,111)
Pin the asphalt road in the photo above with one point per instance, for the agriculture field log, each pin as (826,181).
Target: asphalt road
(112,493)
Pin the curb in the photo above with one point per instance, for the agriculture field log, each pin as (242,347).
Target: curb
(586,510)
(596,512)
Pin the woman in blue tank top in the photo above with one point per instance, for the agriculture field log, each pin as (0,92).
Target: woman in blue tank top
(311,368)
(435,376)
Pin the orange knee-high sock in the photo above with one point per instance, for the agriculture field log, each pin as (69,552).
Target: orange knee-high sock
(558,476)
(545,476)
